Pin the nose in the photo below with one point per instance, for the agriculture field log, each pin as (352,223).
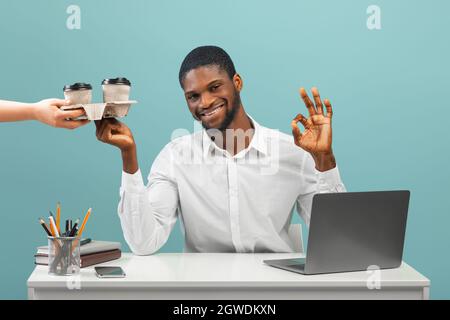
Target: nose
(206,99)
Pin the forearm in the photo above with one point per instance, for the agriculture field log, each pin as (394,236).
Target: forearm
(16,111)
(129,160)
(138,223)
(324,182)
(147,214)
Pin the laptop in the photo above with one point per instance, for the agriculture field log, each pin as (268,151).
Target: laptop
(353,231)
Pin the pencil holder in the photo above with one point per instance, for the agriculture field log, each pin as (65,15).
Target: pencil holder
(63,256)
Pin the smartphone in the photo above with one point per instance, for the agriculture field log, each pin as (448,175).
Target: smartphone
(109,272)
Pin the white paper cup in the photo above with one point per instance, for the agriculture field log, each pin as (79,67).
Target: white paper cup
(78,93)
(117,89)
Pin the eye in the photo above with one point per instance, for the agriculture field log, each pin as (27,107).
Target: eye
(193,97)
(215,87)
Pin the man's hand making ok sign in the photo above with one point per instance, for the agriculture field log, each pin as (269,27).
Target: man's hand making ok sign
(316,138)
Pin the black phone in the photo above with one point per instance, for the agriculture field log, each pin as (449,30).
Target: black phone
(109,272)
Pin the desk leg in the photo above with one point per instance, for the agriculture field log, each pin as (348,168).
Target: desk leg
(426,293)
(31,294)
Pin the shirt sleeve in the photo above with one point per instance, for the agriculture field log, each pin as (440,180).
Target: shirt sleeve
(148,213)
(314,182)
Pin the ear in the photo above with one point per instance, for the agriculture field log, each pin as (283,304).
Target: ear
(238,83)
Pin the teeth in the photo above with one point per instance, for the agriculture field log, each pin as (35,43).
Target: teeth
(213,111)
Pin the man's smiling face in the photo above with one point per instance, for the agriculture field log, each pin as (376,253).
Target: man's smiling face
(212,97)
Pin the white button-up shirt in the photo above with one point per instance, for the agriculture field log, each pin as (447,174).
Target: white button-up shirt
(240,203)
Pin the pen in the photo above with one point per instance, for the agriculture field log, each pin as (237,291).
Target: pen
(52,224)
(77,240)
(52,231)
(74,230)
(42,222)
(51,214)
(85,241)
(86,217)
(67,227)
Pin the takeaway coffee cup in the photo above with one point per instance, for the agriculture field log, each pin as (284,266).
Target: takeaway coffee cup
(117,89)
(78,93)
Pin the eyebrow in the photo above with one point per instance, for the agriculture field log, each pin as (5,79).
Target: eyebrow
(208,85)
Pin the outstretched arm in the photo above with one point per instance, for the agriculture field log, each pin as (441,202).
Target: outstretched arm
(46,111)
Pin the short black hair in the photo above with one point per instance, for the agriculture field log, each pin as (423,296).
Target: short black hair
(206,56)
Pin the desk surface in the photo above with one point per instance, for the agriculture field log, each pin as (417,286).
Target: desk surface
(221,271)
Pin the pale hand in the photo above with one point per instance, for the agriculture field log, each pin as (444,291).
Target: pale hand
(48,111)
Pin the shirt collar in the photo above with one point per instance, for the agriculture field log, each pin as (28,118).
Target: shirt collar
(258,142)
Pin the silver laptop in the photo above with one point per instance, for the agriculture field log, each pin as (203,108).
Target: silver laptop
(352,231)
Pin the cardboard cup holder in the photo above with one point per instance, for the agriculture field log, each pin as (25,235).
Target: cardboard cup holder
(98,111)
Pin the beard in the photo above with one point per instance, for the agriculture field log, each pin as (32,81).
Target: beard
(229,115)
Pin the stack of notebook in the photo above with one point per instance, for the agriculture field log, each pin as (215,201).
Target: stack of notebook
(91,253)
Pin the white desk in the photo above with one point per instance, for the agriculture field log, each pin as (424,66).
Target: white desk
(222,276)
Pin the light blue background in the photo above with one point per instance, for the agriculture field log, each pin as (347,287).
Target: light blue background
(389,91)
